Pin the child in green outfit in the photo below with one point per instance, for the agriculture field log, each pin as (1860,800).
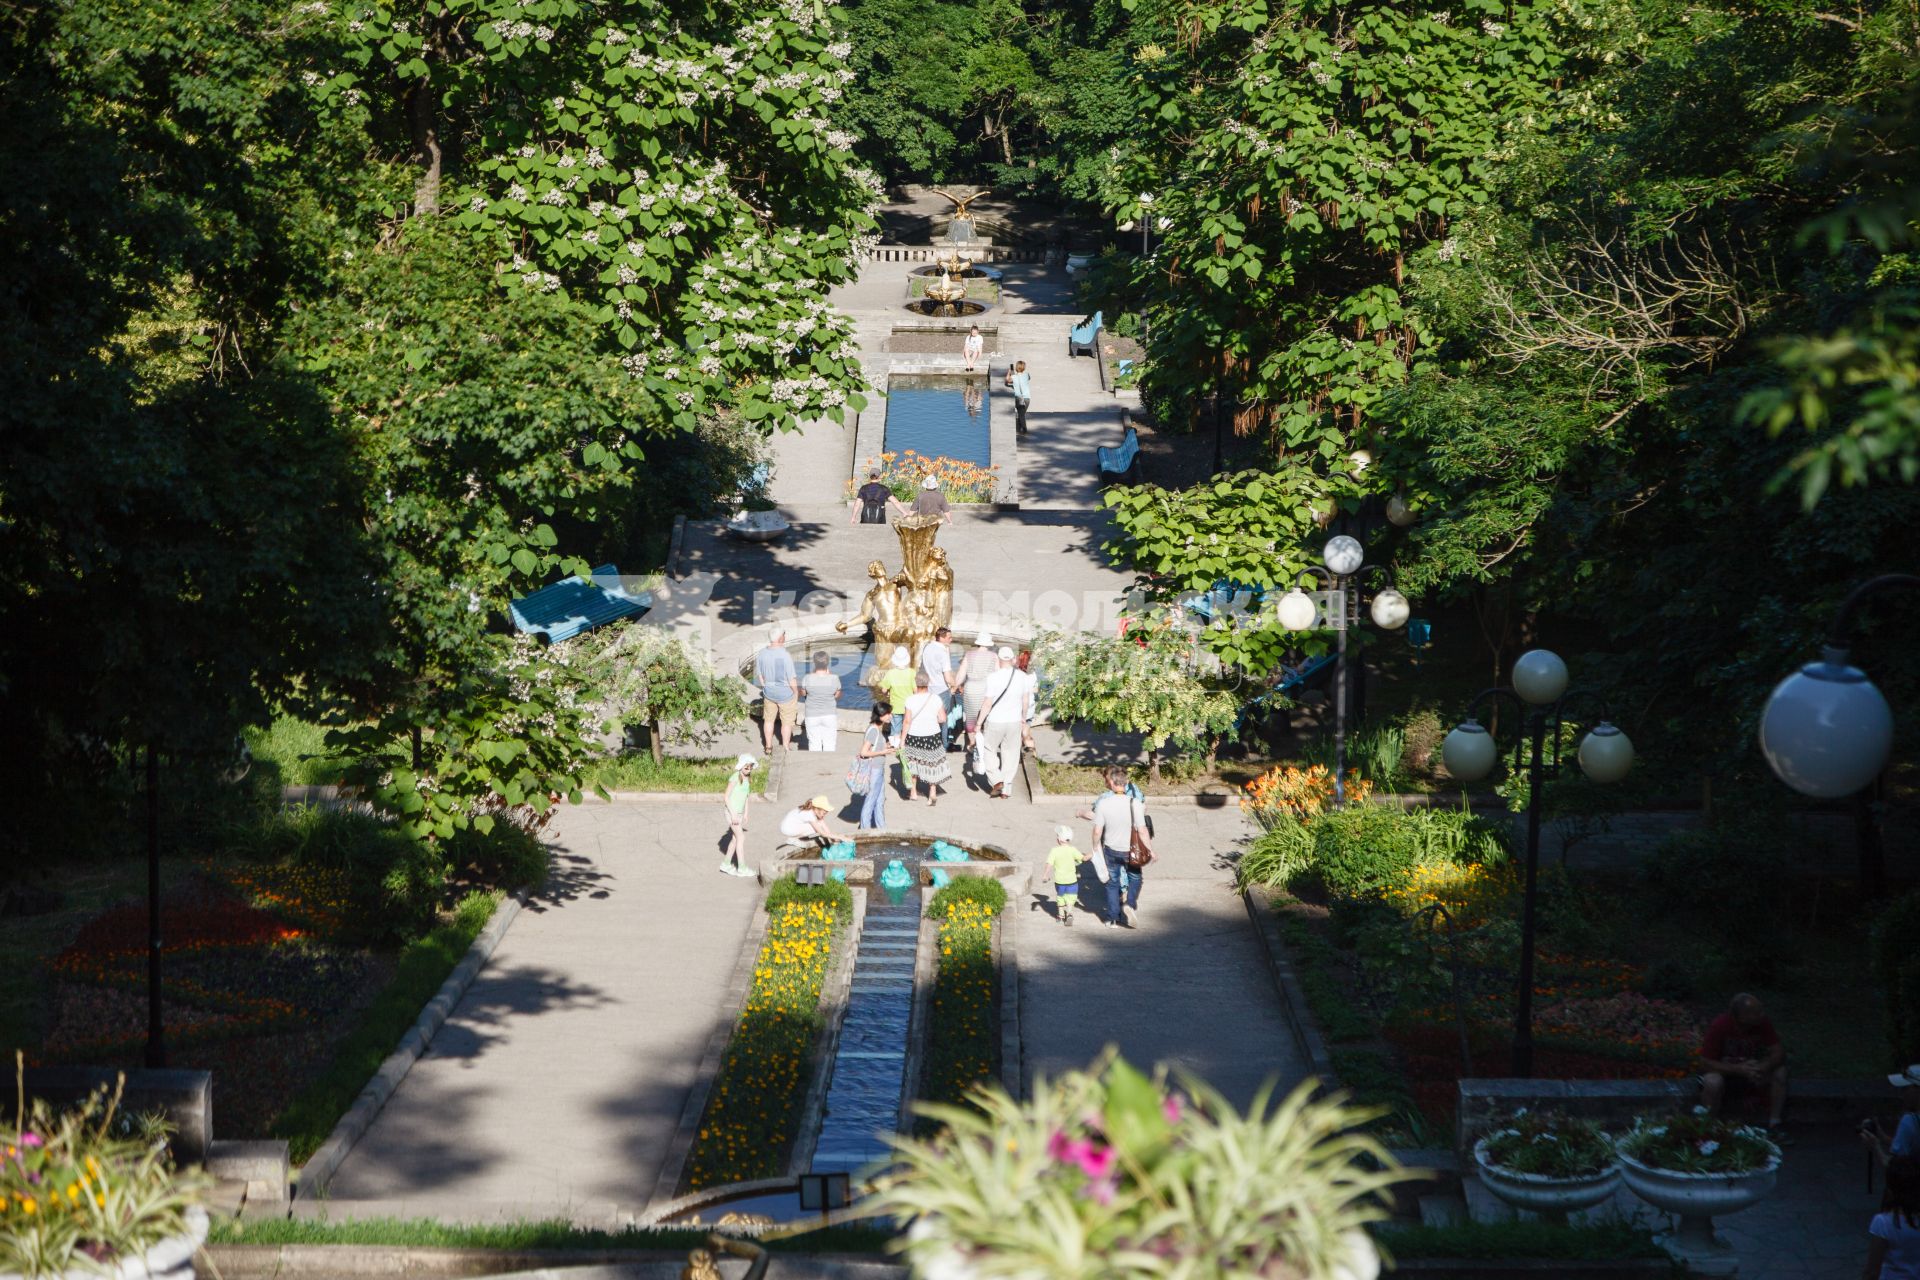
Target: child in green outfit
(1064,861)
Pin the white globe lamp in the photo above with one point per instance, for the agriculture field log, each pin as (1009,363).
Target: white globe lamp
(1399,514)
(1297,610)
(1826,730)
(1539,676)
(1358,461)
(1469,752)
(1606,753)
(1391,610)
(1343,555)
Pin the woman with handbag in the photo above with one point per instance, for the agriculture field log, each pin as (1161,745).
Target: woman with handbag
(925,740)
(1121,837)
(871,778)
(976,664)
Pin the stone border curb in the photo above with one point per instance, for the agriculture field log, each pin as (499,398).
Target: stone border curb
(1006,957)
(834,998)
(1293,999)
(320,1167)
(666,1188)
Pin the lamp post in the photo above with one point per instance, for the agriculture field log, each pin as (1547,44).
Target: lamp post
(1540,690)
(1146,219)
(1826,730)
(1338,606)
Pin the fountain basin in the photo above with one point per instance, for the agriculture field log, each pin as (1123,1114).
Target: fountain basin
(957,309)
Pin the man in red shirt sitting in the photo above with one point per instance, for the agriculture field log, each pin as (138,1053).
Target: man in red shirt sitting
(1742,1056)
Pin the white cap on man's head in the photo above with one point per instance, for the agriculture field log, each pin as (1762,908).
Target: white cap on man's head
(929,483)
(1005,654)
(1908,1079)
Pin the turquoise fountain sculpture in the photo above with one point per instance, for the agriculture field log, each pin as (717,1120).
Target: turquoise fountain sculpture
(895,878)
(944,852)
(842,851)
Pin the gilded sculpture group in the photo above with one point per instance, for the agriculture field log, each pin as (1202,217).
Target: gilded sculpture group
(906,608)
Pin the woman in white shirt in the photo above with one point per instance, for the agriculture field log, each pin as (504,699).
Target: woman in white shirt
(925,740)
(1893,1237)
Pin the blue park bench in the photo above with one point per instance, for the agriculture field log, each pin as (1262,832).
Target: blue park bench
(1081,337)
(1117,461)
(565,609)
(1224,594)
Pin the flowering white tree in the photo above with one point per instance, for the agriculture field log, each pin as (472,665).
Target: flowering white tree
(670,168)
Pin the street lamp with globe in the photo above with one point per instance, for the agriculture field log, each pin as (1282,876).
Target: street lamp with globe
(1540,690)
(1338,606)
(1827,730)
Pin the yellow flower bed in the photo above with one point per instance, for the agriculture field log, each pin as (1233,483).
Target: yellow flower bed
(963,1039)
(749,1123)
(1472,894)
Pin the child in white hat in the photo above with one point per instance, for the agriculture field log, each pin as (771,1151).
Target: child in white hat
(1063,860)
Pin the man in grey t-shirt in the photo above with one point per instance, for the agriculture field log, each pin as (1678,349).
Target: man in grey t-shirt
(779,689)
(822,712)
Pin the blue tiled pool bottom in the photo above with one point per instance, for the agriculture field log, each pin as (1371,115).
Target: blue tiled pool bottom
(940,417)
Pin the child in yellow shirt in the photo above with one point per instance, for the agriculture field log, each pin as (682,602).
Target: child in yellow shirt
(1063,860)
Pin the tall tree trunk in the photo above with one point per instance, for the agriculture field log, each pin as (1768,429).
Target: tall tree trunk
(426,147)
(1153,764)
(653,738)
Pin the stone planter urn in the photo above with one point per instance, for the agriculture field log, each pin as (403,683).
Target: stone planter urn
(1551,1198)
(1696,1199)
(1361,1263)
(758,526)
(171,1259)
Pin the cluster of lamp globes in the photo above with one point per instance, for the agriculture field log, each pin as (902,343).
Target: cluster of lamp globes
(1827,731)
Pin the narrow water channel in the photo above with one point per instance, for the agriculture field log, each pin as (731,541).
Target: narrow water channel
(863,1101)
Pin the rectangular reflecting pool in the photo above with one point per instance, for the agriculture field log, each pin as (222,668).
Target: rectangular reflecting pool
(940,416)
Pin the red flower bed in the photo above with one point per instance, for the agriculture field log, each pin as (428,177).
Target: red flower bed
(186,926)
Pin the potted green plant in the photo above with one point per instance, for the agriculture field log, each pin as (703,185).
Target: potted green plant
(1110,1174)
(1697,1167)
(1547,1163)
(92,1192)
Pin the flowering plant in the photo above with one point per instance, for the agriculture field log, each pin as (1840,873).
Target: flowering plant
(1625,1021)
(1289,791)
(87,1187)
(1107,1173)
(1697,1142)
(903,472)
(1544,1144)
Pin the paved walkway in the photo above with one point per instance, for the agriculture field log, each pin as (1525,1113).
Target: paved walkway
(555,1087)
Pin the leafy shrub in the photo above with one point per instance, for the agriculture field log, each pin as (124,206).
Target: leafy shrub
(1420,739)
(1735,881)
(1896,966)
(985,891)
(834,893)
(394,884)
(506,857)
(1544,1144)
(1695,1142)
(1360,850)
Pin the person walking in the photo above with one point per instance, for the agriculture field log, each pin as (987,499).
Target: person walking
(1021,383)
(875,747)
(872,501)
(1063,860)
(1893,1237)
(1004,712)
(926,740)
(1120,835)
(779,690)
(931,502)
(936,659)
(973,348)
(737,797)
(897,683)
(822,710)
(974,667)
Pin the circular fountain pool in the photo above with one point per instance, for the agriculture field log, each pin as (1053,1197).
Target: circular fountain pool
(958,309)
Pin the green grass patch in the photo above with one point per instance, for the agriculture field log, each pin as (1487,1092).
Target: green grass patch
(547,1235)
(753,1114)
(283,747)
(423,966)
(1606,1241)
(963,1031)
(636,771)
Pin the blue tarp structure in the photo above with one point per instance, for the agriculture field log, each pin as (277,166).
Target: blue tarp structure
(565,609)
